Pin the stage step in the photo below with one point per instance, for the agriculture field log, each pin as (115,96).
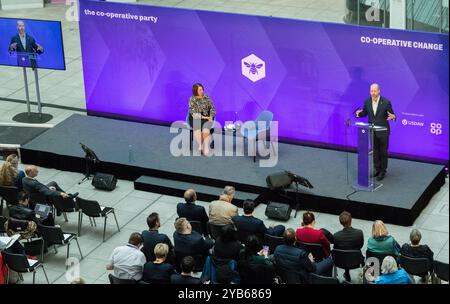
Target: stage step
(177,188)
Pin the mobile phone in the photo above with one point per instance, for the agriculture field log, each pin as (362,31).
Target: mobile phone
(266,249)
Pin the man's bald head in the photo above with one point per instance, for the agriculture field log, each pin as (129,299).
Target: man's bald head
(190,196)
(31,171)
(374,90)
(21,26)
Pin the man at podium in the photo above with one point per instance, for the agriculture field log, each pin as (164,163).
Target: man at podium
(380,111)
(25,45)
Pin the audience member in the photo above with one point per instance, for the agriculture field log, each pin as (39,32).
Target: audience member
(253,253)
(308,234)
(348,238)
(227,246)
(247,224)
(222,211)
(128,261)
(381,241)
(391,274)
(152,237)
(10,175)
(293,259)
(187,268)
(191,211)
(158,271)
(22,211)
(415,250)
(188,242)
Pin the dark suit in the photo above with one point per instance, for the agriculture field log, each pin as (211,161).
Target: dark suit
(31,185)
(349,239)
(184,279)
(193,212)
(30,47)
(151,238)
(190,244)
(250,225)
(381,138)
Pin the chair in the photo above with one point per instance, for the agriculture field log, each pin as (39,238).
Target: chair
(9,195)
(215,230)
(272,242)
(440,271)
(314,248)
(93,209)
(3,220)
(415,266)
(55,236)
(318,279)
(191,131)
(20,264)
(252,130)
(197,226)
(290,277)
(116,280)
(347,259)
(63,204)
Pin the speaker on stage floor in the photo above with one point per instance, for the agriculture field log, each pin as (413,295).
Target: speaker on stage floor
(104,181)
(278,180)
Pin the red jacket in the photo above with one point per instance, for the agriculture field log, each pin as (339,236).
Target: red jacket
(310,235)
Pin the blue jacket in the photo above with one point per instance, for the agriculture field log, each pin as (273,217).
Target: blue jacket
(294,259)
(398,277)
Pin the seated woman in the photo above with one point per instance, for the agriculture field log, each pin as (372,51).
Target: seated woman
(309,234)
(416,250)
(381,241)
(201,116)
(227,246)
(10,175)
(158,271)
(391,274)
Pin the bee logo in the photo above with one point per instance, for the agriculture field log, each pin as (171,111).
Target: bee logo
(253,67)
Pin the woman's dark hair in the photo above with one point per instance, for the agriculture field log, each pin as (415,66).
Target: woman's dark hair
(308,218)
(252,246)
(195,88)
(229,234)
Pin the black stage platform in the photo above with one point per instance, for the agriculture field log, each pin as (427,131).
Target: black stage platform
(407,189)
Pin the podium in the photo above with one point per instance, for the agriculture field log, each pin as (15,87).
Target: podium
(365,180)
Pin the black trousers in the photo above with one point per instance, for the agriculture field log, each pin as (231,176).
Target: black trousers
(380,151)
(54,184)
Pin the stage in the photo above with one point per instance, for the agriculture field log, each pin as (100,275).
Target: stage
(406,190)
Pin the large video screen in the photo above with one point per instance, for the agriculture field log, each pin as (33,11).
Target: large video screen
(31,43)
(140,63)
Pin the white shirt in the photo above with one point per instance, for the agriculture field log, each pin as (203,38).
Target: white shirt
(128,262)
(24,41)
(375,105)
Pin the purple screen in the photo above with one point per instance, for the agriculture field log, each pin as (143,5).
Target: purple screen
(140,63)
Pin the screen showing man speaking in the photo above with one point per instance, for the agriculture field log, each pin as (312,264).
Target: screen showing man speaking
(31,43)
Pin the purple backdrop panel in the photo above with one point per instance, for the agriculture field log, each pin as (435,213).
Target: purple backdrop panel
(140,63)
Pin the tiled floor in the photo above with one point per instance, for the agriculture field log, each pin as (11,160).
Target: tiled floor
(132,206)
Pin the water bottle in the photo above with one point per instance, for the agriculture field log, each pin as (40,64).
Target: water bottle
(130,153)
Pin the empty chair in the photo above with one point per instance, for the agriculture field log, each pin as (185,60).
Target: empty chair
(440,271)
(216,230)
(55,236)
(9,195)
(63,204)
(314,248)
(20,264)
(93,209)
(318,279)
(254,130)
(116,280)
(415,266)
(347,259)
(272,242)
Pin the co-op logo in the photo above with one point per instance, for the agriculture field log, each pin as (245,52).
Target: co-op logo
(406,122)
(253,67)
(436,128)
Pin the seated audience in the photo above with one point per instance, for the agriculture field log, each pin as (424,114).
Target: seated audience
(191,211)
(381,241)
(415,250)
(158,271)
(253,253)
(348,238)
(22,211)
(187,268)
(227,246)
(10,175)
(188,242)
(290,258)
(247,224)
(222,211)
(128,261)
(391,274)
(152,237)
(32,185)
(308,234)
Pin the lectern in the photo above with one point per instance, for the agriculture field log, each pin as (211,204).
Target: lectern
(365,180)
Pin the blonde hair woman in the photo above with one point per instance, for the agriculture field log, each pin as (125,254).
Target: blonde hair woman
(158,271)
(10,175)
(381,241)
